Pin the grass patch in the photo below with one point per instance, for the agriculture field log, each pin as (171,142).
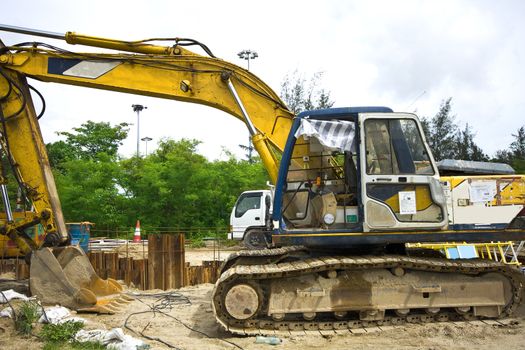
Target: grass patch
(26,317)
(74,346)
(60,336)
(62,332)
(197,242)
(228,243)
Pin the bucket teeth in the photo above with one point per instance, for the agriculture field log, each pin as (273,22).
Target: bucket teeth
(108,305)
(127,297)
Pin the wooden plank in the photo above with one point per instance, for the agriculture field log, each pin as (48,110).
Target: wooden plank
(100,260)
(162,257)
(171,262)
(179,262)
(151,248)
(22,270)
(186,274)
(166,262)
(112,264)
(154,241)
(135,274)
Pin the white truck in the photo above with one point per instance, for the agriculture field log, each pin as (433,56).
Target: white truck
(249,218)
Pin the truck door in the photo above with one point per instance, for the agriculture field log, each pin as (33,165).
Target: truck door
(400,182)
(248,212)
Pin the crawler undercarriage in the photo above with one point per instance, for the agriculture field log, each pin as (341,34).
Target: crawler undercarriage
(294,289)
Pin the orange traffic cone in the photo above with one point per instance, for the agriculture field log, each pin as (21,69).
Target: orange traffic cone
(136,236)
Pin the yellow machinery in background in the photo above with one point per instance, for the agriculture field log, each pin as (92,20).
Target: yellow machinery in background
(8,248)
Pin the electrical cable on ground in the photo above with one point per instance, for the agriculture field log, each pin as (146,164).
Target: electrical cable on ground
(164,304)
(11,306)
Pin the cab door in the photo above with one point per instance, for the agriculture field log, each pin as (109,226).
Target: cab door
(248,212)
(400,182)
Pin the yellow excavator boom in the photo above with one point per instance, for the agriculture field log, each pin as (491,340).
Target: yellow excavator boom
(170,72)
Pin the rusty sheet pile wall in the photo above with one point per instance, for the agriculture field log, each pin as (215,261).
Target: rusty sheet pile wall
(164,268)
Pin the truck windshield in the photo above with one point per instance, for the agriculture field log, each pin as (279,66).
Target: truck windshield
(246,202)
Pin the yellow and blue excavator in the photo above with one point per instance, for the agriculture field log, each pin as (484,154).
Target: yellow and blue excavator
(353,186)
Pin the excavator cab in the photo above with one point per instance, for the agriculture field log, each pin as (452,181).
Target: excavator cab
(360,169)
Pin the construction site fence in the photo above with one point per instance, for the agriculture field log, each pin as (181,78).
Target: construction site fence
(128,232)
(164,266)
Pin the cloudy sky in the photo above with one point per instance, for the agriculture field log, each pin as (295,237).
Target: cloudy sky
(408,55)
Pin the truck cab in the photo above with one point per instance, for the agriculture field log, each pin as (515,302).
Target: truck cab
(249,213)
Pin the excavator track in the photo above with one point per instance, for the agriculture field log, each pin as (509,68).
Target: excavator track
(249,286)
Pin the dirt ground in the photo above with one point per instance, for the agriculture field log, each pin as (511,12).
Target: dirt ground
(189,323)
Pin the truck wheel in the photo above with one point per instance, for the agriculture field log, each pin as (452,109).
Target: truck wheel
(255,239)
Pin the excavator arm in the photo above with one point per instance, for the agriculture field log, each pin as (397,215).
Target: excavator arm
(65,275)
(165,72)
(26,154)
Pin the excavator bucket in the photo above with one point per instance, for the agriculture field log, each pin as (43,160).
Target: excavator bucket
(65,276)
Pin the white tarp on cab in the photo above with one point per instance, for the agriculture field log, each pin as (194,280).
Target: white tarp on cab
(337,135)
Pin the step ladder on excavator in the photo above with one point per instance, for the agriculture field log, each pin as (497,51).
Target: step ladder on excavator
(505,252)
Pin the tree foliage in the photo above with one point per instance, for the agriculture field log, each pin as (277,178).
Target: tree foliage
(89,141)
(301,94)
(447,140)
(466,148)
(88,174)
(176,186)
(515,154)
(172,187)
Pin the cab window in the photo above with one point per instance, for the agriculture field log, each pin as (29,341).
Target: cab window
(395,146)
(246,202)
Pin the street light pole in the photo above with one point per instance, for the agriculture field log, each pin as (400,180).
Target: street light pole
(248,55)
(138,109)
(146,139)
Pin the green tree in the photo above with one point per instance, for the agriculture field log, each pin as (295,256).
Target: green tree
(447,140)
(176,186)
(301,94)
(466,148)
(88,175)
(89,191)
(442,132)
(59,153)
(515,154)
(517,146)
(88,141)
